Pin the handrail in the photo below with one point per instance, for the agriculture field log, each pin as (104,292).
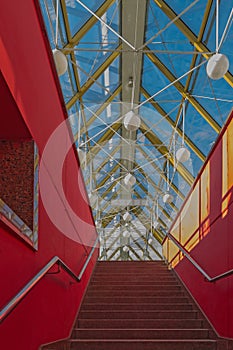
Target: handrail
(28,287)
(196,265)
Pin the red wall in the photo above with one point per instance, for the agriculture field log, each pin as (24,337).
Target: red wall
(47,313)
(214,251)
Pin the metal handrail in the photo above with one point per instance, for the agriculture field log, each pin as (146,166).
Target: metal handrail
(28,287)
(196,265)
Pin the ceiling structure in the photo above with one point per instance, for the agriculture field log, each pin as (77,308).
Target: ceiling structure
(149,57)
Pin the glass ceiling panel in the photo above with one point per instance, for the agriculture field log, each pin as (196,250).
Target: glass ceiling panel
(153,80)
(172,51)
(77,15)
(210,31)
(193,15)
(214,95)
(204,136)
(98,92)
(49,13)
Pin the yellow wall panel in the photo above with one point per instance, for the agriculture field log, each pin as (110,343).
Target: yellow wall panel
(230,154)
(190,216)
(205,193)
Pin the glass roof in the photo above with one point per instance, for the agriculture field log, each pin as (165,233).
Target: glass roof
(147,58)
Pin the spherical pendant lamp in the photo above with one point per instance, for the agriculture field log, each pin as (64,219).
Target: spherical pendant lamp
(155,224)
(127,216)
(81,155)
(150,241)
(60,62)
(168,198)
(129,180)
(126,234)
(217,66)
(125,249)
(132,121)
(93,199)
(182,154)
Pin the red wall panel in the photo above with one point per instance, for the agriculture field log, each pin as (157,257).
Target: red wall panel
(47,313)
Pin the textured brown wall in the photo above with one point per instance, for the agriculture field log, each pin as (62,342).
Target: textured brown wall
(16,177)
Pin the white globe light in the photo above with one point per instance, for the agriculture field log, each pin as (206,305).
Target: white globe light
(81,155)
(155,224)
(168,198)
(125,249)
(150,240)
(130,180)
(132,121)
(217,66)
(127,216)
(60,61)
(182,155)
(126,234)
(93,199)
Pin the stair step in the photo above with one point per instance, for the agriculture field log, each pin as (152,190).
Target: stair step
(135,287)
(136,278)
(136,293)
(138,299)
(113,314)
(166,282)
(141,323)
(136,306)
(82,333)
(142,344)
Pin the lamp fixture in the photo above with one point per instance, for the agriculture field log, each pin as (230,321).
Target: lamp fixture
(218,64)
(81,155)
(167,197)
(126,234)
(132,121)
(130,82)
(60,62)
(129,180)
(183,154)
(150,241)
(125,249)
(127,216)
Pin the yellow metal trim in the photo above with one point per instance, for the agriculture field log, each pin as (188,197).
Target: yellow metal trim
(190,35)
(188,177)
(171,77)
(102,108)
(90,22)
(161,111)
(93,78)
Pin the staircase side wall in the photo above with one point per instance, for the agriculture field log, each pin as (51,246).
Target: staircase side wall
(47,313)
(207,217)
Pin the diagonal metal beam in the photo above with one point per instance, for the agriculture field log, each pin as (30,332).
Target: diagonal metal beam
(144,239)
(102,108)
(199,45)
(89,24)
(177,84)
(154,139)
(163,113)
(157,169)
(93,78)
(103,139)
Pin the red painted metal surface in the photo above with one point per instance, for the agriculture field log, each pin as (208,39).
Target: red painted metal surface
(47,313)
(214,250)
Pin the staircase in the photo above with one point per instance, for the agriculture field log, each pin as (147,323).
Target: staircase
(139,306)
